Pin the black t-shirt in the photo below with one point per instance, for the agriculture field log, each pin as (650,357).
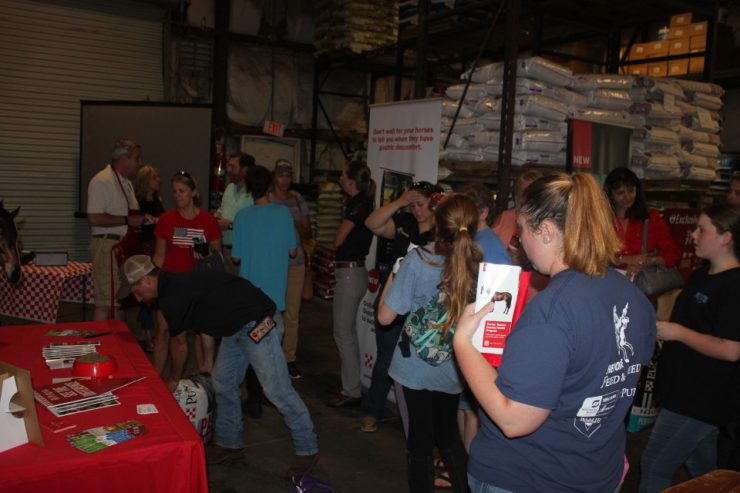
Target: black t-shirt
(154,208)
(215,303)
(357,243)
(407,232)
(688,382)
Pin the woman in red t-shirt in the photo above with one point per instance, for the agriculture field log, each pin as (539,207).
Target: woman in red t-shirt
(177,231)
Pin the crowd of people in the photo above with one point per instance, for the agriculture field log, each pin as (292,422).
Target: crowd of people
(550,417)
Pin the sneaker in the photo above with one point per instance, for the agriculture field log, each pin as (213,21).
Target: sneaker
(293,371)
(302,465)
(369,424)
(220,455)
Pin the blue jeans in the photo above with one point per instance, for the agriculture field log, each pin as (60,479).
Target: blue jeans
(386,337)
(677,440)
(477,486)
(236,353)
(348,292)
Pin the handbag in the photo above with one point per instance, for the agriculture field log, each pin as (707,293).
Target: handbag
(654,280)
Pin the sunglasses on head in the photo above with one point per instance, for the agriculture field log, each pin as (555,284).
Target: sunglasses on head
(424,186)
(184,174)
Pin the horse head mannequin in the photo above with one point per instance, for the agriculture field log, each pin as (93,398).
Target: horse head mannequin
(9,256)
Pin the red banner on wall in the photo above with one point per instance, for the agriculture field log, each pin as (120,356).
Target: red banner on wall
(582,144)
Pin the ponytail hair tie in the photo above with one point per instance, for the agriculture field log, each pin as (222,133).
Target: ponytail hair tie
(462,228)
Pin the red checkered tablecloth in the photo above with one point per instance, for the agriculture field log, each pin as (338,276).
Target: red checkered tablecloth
(38,294)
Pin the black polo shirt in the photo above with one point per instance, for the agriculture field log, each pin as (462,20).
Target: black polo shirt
(215,303)
(357,243)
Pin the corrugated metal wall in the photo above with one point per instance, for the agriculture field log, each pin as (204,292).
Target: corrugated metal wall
(54,53)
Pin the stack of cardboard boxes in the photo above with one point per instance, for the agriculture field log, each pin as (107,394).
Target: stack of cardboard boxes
(684,37)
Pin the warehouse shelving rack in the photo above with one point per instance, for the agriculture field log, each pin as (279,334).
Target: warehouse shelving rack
(444,44)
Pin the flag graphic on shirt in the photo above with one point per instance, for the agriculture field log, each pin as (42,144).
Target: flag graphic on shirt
(184,236)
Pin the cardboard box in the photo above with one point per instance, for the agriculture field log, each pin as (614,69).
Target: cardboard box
(696,65)
(639,69)
(698,28)
(678,67)
(681,19)
(678,32)
(658,48)
(679,46)
(639,51)
(659,69)
(698,43)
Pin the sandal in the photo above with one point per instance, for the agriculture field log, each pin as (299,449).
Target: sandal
(442,481)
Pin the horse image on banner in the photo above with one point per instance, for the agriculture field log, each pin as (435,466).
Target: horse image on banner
(9,255)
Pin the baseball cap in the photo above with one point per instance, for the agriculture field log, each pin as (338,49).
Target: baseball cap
(283,166)
(134,268)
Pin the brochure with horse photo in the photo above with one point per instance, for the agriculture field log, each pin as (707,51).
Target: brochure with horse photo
(506,286)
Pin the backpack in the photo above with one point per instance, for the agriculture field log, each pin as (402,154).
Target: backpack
(420,327)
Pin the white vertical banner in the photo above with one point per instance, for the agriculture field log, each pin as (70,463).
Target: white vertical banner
(403,137)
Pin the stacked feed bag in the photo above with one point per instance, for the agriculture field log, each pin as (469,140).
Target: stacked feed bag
(313,212)
(656,145)
(699,129)
(328,213)
(606,98)
(680,136)
(322,267)
(349,26)
(541,103)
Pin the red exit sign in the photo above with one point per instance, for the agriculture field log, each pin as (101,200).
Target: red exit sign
(273,128)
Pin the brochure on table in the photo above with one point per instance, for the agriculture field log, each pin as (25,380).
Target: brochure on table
(18,421)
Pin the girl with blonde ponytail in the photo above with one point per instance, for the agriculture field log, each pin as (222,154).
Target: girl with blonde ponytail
(444,270)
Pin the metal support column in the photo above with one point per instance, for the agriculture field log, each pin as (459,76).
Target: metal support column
(508,101)
(421,50)
(314,118)
(220,63)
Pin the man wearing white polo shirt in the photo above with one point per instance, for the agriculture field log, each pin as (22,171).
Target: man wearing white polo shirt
(111,209)
(235,198)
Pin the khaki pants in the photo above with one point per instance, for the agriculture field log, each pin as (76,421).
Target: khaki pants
(100,253)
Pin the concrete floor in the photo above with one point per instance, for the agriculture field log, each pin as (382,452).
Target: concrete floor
(350,460)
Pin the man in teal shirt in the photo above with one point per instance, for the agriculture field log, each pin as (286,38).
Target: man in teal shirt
(235,198)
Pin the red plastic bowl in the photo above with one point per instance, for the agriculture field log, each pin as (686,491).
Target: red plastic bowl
(94,365)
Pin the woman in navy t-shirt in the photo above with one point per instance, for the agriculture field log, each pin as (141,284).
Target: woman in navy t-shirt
(553,412)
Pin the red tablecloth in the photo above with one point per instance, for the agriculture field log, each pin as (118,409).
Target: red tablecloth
(169,458)
(38,295)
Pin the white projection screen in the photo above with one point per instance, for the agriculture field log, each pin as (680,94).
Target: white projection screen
(174,137)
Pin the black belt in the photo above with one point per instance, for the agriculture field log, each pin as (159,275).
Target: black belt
(108,236)
(349,265)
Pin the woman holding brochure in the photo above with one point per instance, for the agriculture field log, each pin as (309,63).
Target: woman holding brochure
(447,267)
(554,410)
